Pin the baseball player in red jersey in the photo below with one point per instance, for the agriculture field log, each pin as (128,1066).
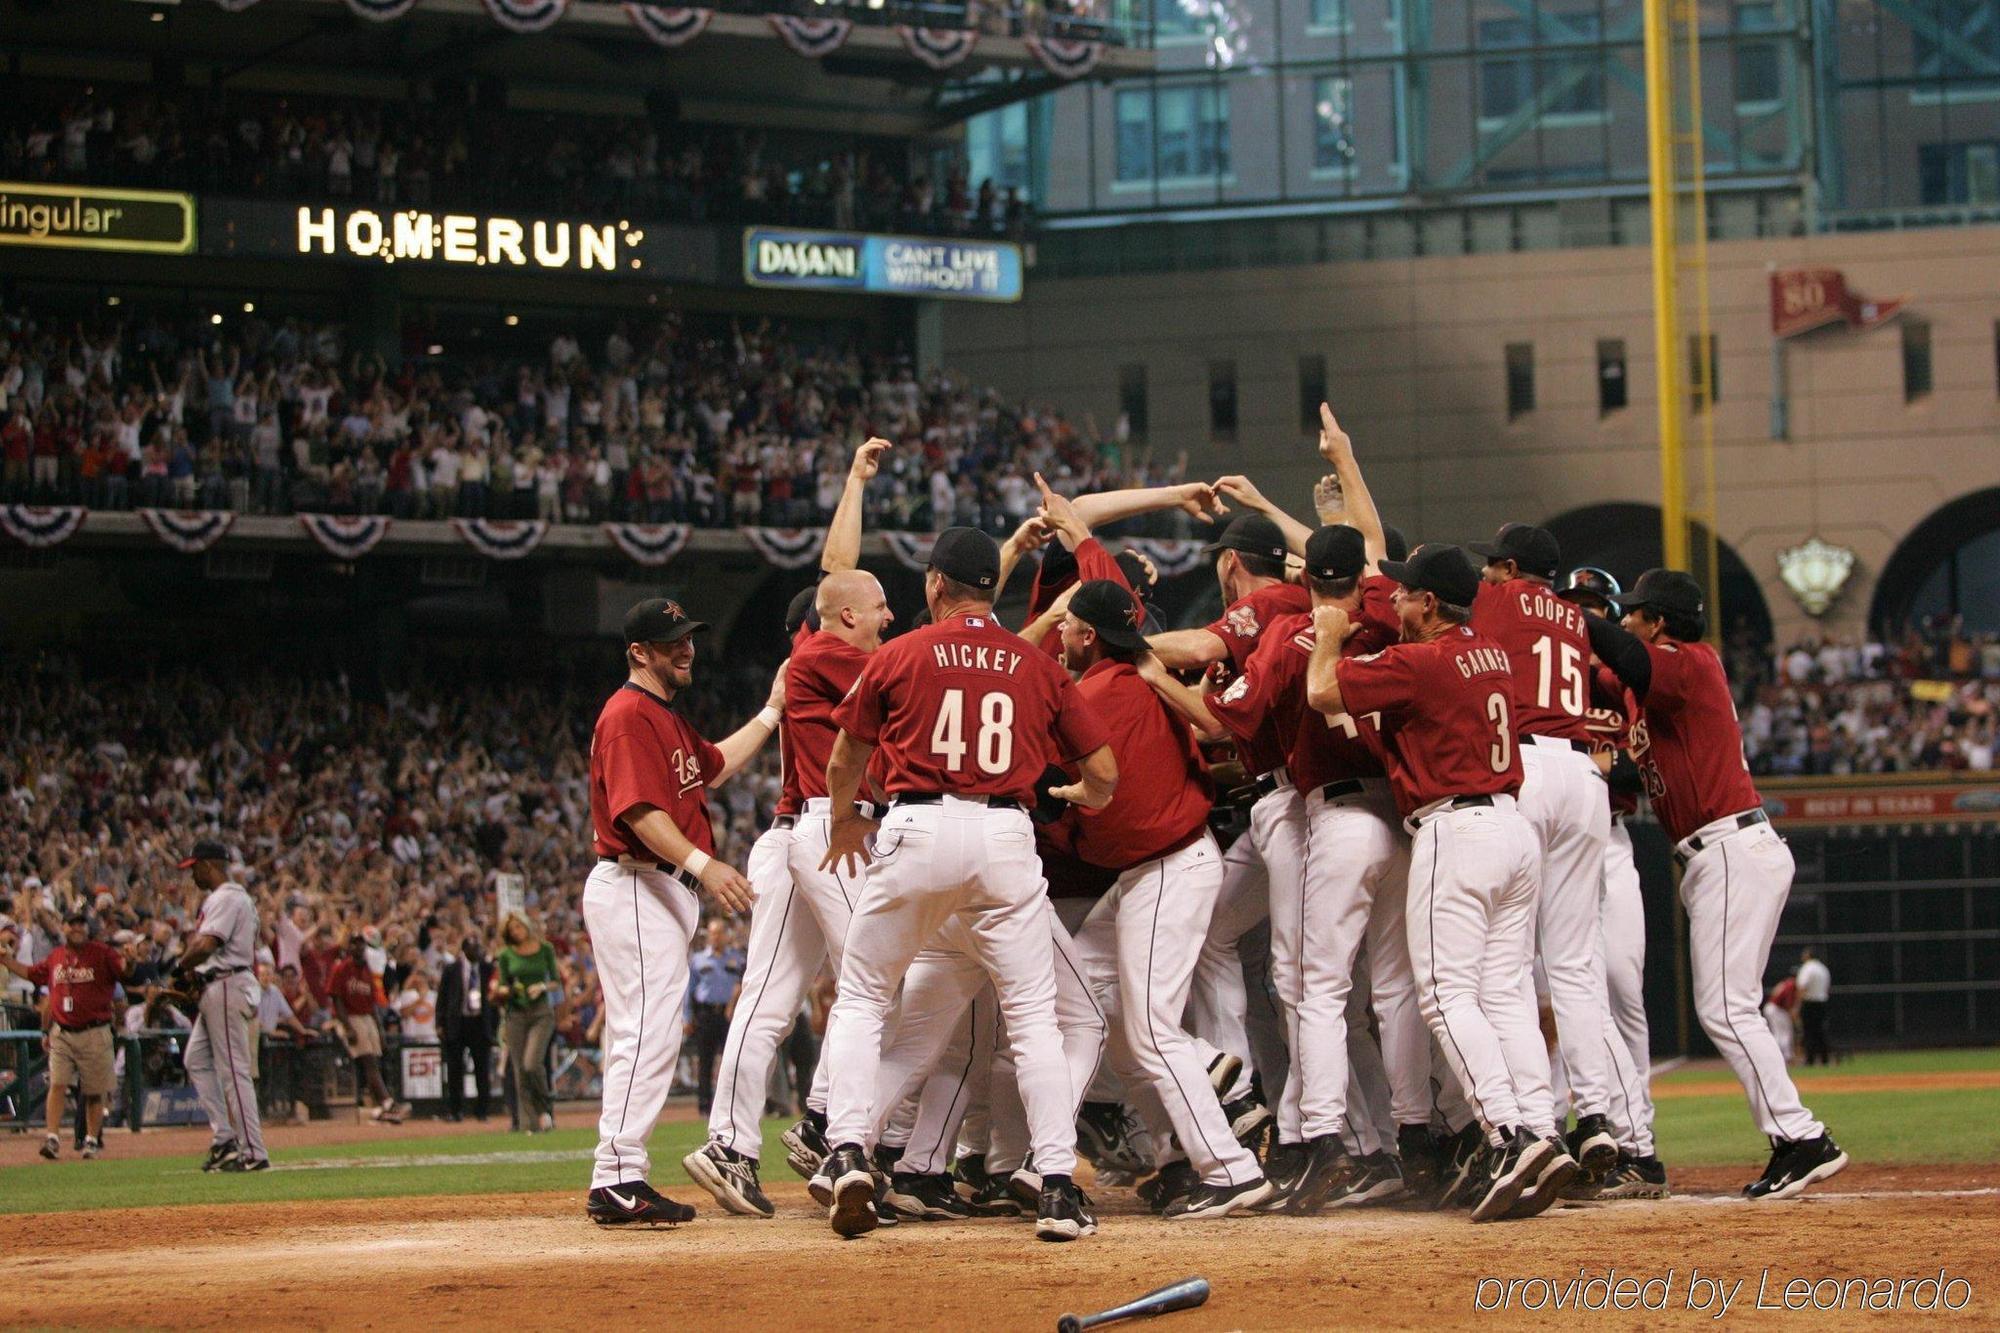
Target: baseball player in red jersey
(801,913)
(650,772)
(1446,703)
(1563,797)
(1736,872)
(1614,712)
(968,716)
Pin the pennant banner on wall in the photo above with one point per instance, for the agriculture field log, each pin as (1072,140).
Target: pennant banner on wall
(940,48)
(502,538)
(189,531)
(911,549)
(349,537)
(668,26)
(1172,556)
(787,548)
(649,543)
(41,525)
(1069,59)
(526,15)
(811,38)
(381,10)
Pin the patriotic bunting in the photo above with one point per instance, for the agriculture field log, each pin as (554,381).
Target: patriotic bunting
(668,26)
(939,48)
(381,10)
(189,531)
(811,38)
(912,550)
(41,525)
(787,548)
(1172,556)
(526,15)
(1068,59)
(649,543)
(501,538)
(346,537)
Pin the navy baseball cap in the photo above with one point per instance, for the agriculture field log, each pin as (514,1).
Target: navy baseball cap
(1336,551)
(206,850)
(1440,569)
(968,555)
(1112,611)
(1588,583)
(659,620)
(1664,590)
(1252,534)
(1534,549)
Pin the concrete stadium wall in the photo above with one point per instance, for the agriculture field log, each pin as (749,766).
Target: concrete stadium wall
(1416,369)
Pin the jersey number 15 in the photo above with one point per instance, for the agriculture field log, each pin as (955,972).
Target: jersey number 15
(994,743)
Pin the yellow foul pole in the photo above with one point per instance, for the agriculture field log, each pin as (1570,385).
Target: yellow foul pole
(1666,295)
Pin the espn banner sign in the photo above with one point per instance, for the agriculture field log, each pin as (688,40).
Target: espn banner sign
(72,217)
(882,265)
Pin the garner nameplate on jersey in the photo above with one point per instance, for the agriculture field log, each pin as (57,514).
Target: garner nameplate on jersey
(74,217)
(884,265)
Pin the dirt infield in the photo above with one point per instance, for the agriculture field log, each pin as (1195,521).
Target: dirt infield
(459,1262)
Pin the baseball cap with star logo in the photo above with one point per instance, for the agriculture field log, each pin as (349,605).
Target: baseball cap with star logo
(659,620)
(1112,611)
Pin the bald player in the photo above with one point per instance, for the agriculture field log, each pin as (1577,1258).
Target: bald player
(801,911)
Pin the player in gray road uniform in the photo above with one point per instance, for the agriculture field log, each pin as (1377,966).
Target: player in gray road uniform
(219,964)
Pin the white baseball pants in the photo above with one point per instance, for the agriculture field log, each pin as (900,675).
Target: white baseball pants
(1471,919)
(219,1063)
(640,922)
(1563,798)
(798,923)
(1735,890)
(1625,980)
(957,1082)
(1218,997)
(1146,933)
(957,860)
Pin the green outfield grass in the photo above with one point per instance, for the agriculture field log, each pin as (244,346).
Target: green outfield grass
(1885,1128)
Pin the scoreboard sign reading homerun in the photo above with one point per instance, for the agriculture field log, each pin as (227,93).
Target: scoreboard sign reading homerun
(74,217)
(882,265)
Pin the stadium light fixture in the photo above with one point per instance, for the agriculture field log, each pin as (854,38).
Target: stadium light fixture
(113,300)
(215,318)
(249,307)
(435,349)
(513,320)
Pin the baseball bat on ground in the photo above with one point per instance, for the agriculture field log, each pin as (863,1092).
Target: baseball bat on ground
(1183,1295)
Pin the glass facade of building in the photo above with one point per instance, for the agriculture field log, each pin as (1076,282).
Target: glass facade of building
(1816,114)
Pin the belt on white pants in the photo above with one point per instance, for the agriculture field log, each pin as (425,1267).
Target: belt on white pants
(823,805)
(1558,743)
(1709,834)
(1429,812)
(672,872)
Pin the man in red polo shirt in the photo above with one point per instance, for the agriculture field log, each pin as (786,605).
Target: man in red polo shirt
(356,995)
(81,974)
(1446,704)
(650,772)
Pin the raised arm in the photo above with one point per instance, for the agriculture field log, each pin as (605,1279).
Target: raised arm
(1331,629)
(1197,498)
(1622,651)
(1032,535)
(1188,703)
(843,532)
(1336,448)
(1185,649)
(1244,492)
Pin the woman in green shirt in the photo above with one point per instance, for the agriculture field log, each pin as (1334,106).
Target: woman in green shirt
(525,977)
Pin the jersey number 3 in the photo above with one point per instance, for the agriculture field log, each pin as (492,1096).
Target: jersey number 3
(1501,753)
(994,743)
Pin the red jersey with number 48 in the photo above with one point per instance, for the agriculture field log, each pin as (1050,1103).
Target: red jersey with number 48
(644,753)
(1546,641)
(969,708)
(1447,709)
(1687,741)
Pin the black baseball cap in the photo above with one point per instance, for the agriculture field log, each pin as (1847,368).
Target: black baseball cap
(1395,545)
(1588,583)
(1135,570)
(659,620)
(1664,590)
(804,610)
(1440,569)
(1112,611)
(206,850)
(1534,549)
(1252,534)
(968,555)
(1336,552)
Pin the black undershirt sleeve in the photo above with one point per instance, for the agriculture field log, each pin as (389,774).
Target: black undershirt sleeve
(1621,650)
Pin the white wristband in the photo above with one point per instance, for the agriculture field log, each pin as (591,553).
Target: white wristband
(769,716)
(696,863)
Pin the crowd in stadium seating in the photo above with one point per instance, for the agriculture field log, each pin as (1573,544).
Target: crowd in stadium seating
(385,817)
(444,154)
(1928,703)
(716,425)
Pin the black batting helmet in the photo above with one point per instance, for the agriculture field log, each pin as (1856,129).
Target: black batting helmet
(1589,583)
